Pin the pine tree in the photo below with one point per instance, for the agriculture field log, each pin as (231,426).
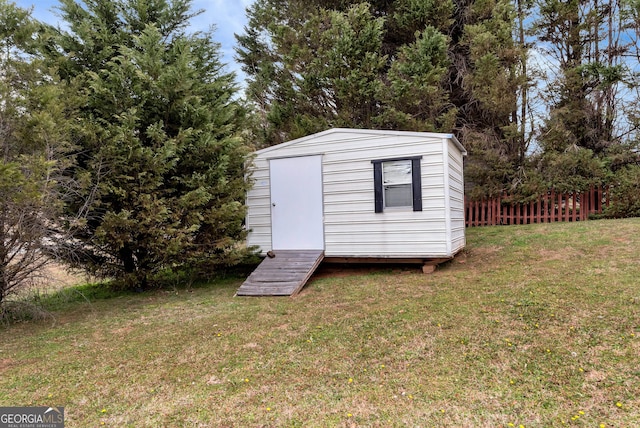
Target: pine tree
(158,139)
(407,64)
(486,78)
(587,132)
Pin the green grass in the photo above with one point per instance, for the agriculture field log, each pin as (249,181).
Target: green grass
(532,325)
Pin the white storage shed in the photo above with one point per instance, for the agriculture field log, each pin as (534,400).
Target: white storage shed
(364,194)
(353,195)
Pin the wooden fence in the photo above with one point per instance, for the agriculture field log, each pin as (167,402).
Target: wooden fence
(552,207)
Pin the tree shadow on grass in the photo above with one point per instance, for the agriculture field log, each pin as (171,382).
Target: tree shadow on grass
(45,305)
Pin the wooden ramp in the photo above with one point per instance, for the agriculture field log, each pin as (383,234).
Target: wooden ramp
(283,275)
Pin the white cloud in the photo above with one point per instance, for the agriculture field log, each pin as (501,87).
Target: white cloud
(229,18)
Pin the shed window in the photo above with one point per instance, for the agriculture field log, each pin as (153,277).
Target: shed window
(397,183)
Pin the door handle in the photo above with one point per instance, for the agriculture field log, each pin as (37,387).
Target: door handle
(273,203)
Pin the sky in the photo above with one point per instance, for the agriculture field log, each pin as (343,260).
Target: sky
(228,17)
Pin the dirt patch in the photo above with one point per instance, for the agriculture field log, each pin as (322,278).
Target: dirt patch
(6,363)
(122,331)
(595,376)
(480,252)
(563,253)
(57,277)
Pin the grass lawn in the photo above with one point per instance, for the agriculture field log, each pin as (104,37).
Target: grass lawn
(532,325)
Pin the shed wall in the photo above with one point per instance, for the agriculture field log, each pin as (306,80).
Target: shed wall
(352,228)
(456,195)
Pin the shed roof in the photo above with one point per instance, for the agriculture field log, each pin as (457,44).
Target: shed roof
(376,132)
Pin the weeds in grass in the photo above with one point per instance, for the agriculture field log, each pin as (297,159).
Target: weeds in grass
(543,333)
(21,310)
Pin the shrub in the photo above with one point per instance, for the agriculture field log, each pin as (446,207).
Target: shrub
(625,198)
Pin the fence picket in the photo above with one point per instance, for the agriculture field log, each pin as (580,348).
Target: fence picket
(547,208)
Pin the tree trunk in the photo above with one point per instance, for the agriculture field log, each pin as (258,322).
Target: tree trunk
(3,287)
(522,152)
(128,259)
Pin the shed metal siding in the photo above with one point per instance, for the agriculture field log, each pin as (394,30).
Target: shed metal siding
(352,228)
(258,220)
(456,194)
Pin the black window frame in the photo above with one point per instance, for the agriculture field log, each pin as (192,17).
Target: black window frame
(416,182)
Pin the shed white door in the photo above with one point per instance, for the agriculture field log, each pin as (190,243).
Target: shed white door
(296,203)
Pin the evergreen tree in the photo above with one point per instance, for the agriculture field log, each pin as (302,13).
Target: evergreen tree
(158,137)
(486,79)
(415,97)
(406,64)
(587,129)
